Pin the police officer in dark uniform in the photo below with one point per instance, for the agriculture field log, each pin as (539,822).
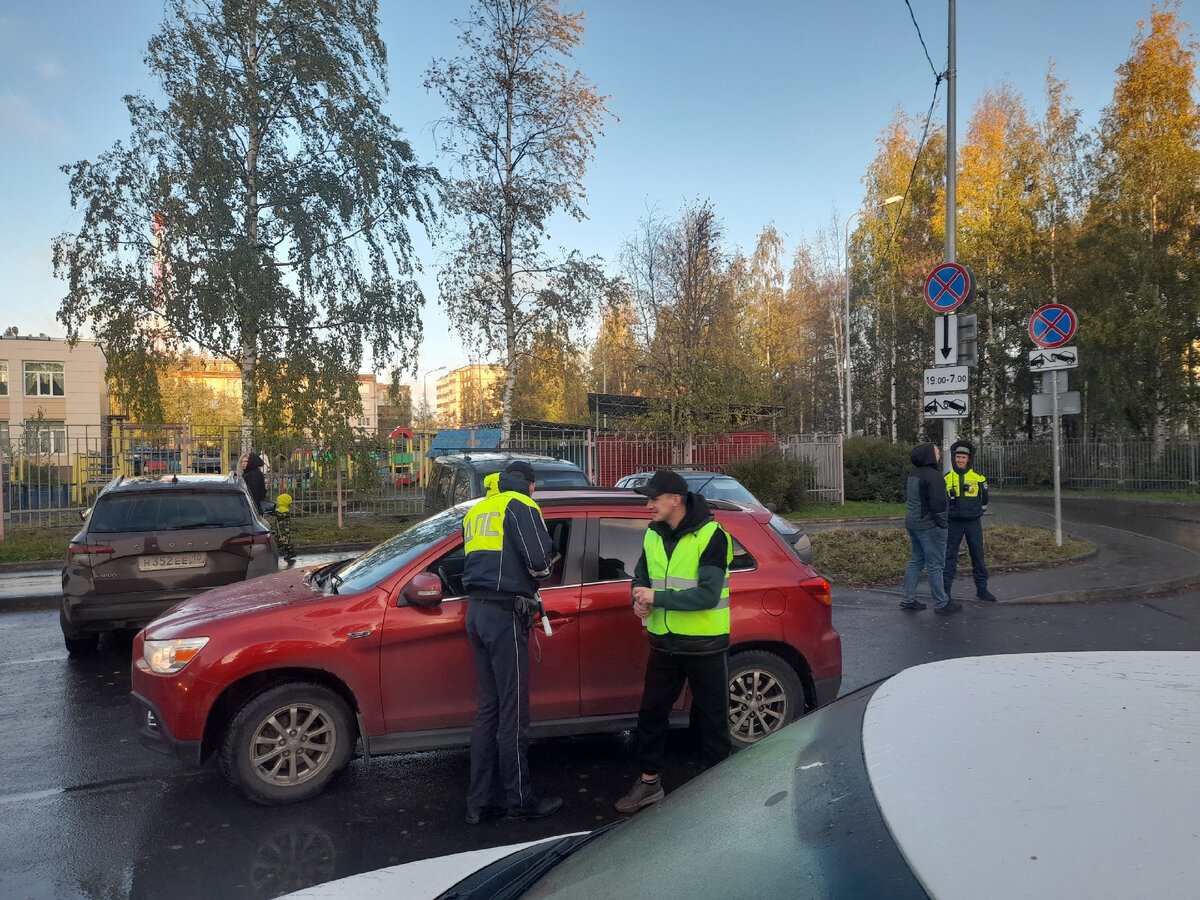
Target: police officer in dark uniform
(508,550)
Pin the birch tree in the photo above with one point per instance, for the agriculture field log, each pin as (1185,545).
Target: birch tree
(260,212)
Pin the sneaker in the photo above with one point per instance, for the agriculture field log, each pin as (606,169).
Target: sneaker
(949,609)
(911,604)
(640,795)
(538,809)
(475,816)
(987,595)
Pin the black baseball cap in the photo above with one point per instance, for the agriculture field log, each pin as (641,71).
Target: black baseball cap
(521,468)
(664,482)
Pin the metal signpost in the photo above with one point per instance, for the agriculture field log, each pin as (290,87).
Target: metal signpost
(948,287)
(1050,327)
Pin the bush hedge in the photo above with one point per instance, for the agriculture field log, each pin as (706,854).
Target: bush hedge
(773,478)
(875,469)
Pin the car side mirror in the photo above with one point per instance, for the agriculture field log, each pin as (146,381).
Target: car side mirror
(268,506)
(772,507)
(84,513)
(425,589)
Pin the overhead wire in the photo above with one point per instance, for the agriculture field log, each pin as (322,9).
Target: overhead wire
(937,82)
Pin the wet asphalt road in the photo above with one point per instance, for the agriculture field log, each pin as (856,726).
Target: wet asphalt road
(85,811)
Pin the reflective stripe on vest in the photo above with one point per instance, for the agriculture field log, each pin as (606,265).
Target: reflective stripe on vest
(680,573)
(483,525)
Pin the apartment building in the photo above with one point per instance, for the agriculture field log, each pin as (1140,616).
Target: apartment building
(46,386)
(468,395)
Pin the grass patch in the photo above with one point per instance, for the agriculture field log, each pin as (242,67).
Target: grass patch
(862,557)
(318,531)
(852,509)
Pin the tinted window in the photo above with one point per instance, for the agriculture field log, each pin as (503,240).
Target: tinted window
(561,478)
(462,487)
(161,511)
(620,547)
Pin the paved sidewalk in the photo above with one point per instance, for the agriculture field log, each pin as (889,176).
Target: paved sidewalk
(1125,567)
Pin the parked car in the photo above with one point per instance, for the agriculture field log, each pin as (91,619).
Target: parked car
(150,542)
(717,486)
(459,476)
(1027,775)
(280,676)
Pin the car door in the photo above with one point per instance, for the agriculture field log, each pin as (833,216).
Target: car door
(427,668)
(613,644)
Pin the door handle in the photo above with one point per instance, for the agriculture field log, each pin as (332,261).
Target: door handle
(359,634)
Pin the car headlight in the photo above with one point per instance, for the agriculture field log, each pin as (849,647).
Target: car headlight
(168,657)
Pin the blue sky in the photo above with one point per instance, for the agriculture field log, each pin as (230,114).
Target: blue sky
(769,108)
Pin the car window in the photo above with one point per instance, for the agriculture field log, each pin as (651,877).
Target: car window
(384,559)
(725,488)
(445,475)
(561,478)
(620,547)
(462,487)
(159,511)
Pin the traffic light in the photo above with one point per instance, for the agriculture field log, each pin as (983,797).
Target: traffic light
(968,335)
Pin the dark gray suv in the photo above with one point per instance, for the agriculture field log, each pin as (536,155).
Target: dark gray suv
(150,542)
(459,476)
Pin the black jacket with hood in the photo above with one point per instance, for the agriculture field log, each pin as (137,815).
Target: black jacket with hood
(925,496)
(256,484)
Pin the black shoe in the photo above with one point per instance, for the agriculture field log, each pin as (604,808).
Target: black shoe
(949,609)
(539,809)
(475,816)
(914,605)
(987,595)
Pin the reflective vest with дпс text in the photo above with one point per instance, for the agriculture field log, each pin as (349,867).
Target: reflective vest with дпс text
(483,526)
(680,573)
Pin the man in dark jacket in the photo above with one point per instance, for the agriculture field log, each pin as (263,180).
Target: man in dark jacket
(681,591)
(256,483)
(508,550)
(925,520)
(968,494)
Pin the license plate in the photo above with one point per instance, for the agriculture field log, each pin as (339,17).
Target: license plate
(171,561)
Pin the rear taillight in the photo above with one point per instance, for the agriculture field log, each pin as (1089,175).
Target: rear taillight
(248,539)
(819,589)
(85,553)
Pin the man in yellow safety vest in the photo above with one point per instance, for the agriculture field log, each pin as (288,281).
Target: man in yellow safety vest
(681,590)
(508,550)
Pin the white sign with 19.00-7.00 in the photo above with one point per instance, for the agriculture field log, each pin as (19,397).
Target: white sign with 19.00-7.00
(946,378)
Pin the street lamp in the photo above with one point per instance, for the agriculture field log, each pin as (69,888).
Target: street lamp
(425,393)
(846,317)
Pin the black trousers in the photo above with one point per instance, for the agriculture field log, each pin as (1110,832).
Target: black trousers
(708,677)
(972,529)
(500,735)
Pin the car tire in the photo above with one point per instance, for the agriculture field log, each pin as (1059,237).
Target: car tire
(78,643)
(286,744)
(764,695)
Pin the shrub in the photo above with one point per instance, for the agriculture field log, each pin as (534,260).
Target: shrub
(773,478)
(875,469)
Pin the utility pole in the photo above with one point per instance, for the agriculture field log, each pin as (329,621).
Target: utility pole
(950,429)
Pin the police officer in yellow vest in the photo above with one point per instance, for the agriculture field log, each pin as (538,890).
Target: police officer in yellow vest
(508,550)
(968,498)
(681,590)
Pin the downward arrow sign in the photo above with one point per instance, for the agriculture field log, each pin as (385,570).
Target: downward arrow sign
(946,348)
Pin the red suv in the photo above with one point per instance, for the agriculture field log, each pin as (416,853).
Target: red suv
(281,675)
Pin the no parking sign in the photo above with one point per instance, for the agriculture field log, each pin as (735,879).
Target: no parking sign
(1053,325)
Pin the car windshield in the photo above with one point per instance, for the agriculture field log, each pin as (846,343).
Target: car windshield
(168,510)
(382,560)
(546,477)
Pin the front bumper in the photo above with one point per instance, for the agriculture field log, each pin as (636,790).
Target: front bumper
(153,732)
